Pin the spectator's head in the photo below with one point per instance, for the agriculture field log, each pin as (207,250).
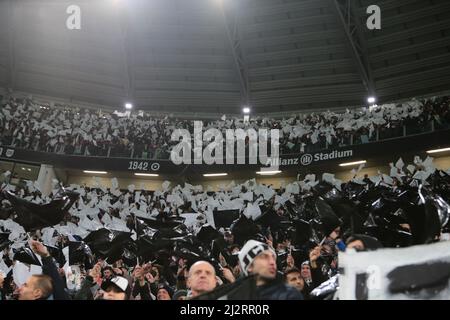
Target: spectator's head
(116,289)
(202,278)
(305,270)
(164,293)
(259,259)
(228,236)
(180,295)
(294,278)
(37,287)
(107,273)
(361,242)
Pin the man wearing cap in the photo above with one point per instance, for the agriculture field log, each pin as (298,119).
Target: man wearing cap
(112,290)
(257,258)
(116,289)
(164,292)
(201,278)
(180,295)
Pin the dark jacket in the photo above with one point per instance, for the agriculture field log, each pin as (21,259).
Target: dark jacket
(318,277)
(49,268)
(85,292)
(278,291)
(144,291)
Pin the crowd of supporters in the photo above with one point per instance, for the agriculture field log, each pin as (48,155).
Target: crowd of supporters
(76,131)
(175,243)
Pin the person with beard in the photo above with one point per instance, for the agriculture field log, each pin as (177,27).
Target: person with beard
(107,275)
(294,278)
(257,258)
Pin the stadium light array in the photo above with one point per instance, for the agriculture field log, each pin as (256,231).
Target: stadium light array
(95,172)
(215,174)
(438,150)
(268,173)
(146,174)
(348,164)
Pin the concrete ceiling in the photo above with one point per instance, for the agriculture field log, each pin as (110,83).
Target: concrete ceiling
(176,55)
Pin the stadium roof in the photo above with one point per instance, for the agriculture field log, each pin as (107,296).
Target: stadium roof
(204,56)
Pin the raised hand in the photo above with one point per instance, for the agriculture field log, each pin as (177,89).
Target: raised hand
(39,248)
(95,272)
(150,277)
(314,255)
(227,274)
(138,272)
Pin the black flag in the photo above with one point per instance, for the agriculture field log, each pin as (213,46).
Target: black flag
(32,216)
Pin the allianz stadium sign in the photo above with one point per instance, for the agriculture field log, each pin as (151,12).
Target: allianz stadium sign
(161,166)
(402,146)
(308,158)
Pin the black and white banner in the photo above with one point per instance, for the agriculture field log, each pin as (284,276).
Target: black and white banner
(418,272)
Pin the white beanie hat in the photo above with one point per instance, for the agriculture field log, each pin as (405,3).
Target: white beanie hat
(249,252)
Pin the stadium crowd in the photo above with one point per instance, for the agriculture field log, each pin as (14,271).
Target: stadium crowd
(246,241)
(28,125)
